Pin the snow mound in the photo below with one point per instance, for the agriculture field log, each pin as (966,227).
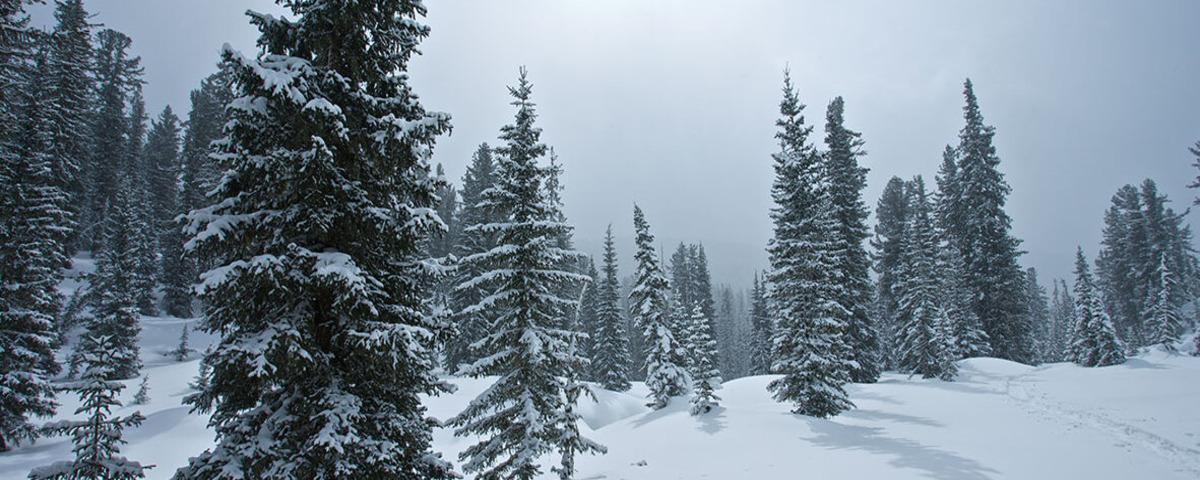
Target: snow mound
(989,367)
(999,420)
(610,407)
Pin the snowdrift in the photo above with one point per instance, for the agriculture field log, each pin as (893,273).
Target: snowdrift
(999,420)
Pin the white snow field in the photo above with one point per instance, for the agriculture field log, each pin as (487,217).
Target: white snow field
(999,420)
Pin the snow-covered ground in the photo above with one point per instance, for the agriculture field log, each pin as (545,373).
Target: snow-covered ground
(999,420)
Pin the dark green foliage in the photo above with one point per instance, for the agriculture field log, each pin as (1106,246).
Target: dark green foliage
(665,355)
(33,229)
(1093,341)
(973,201)
(1141,234)
(197,177)
(70,87)
(161,159)
(118,77)
(610,346)
(891,216)
(809,346)
(706,378)
(97,438)
(315,233)
(925,344)
(1037,310)
(116,289)
(530,344)
(760,321)
(847,179)
(471,325)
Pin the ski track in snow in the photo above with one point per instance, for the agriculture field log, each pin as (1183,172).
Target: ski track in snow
(1019,389)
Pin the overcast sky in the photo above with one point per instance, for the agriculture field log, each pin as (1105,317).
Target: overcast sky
(672,103)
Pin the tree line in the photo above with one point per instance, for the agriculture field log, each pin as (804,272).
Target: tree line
(297,211)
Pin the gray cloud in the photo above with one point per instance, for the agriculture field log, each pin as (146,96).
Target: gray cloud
(672,103)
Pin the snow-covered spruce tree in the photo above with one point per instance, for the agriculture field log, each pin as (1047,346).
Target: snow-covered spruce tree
(943,336)
(847,179)
(1093,341)
(682,298)
(33,228)
(705,353)
(1123,243)
(665,356)
(956,301)
(137,172)
(470,325)
(585,318)
(1195,151)
(70,87)
(891,215)
(1165,324)
(702,292)
(809,347)
(760,333)
(162,189)
(197,172)
(924,334)
(117,76)
(949,207)
(1139,231)
(610,348)
(1037,311)
(204,123)
(116,289)
(702,355)
(731,330)
(181,351)
(442,246)
(989,250)
(706,377)
(530,344)
(97,437)
(1062,314)
(316,229)
(142,396)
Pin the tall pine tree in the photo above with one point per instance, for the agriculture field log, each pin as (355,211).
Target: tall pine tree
(966,332)
(475,212)
(847,179)
(810,349)
(924,337)
(316,232)
(1093,341)
(665,355)
(203,126)
(530,344)
(891,214)
(70,85)
(981,232)
(760,332)
(117,288)
(118,77)
(1062,314)
(1037,311)
(610,348)
(33,229)
(162,188)
(1165,325)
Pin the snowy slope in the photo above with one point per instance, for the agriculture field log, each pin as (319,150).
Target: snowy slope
(999,420)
